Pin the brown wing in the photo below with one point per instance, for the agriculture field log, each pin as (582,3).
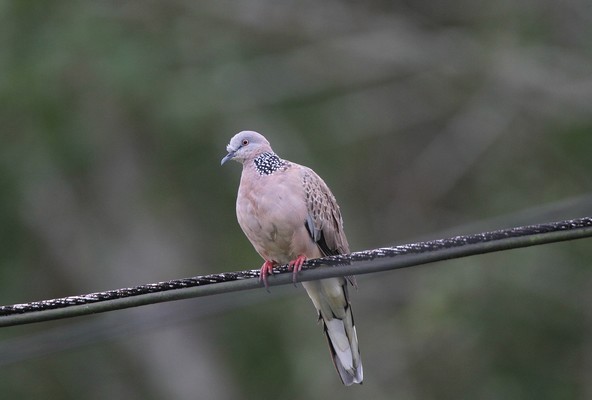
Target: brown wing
(324,222)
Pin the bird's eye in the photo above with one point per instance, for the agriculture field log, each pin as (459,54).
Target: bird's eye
(245,142)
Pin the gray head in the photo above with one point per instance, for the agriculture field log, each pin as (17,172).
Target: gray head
(246,145)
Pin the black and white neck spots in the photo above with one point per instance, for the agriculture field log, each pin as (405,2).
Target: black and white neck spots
(268,163)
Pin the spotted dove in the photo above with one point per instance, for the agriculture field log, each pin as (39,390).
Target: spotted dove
(289,215)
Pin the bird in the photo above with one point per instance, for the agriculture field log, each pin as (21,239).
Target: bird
(290,215)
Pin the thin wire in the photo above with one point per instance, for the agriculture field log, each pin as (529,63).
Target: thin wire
(363,262)
(109,327)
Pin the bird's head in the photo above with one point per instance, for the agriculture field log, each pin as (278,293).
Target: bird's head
(246,145)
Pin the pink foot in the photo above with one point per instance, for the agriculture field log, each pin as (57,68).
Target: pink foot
(296,266)
(266,269)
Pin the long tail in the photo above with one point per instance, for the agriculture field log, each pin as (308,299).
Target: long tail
(331,301)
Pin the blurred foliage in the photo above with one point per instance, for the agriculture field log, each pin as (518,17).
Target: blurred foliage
(421,116)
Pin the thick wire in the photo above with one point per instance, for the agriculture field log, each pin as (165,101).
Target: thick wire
(357,263)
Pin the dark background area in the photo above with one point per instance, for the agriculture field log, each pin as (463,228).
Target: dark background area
(426,119)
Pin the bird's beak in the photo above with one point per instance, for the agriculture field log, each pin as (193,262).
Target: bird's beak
(228,156)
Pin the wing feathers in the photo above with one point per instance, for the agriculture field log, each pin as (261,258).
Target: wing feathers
(324,221)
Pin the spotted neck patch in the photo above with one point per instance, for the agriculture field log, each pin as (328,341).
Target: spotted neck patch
(268,163)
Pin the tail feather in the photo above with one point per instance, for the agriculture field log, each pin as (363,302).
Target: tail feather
(331,300)
(343,344)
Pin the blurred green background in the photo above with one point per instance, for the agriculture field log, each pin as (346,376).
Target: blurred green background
(426,119)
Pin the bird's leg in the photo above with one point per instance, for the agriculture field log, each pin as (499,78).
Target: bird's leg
(296,266)
(266,269)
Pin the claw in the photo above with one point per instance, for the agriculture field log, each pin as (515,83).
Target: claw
(266,269)
(296,266)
